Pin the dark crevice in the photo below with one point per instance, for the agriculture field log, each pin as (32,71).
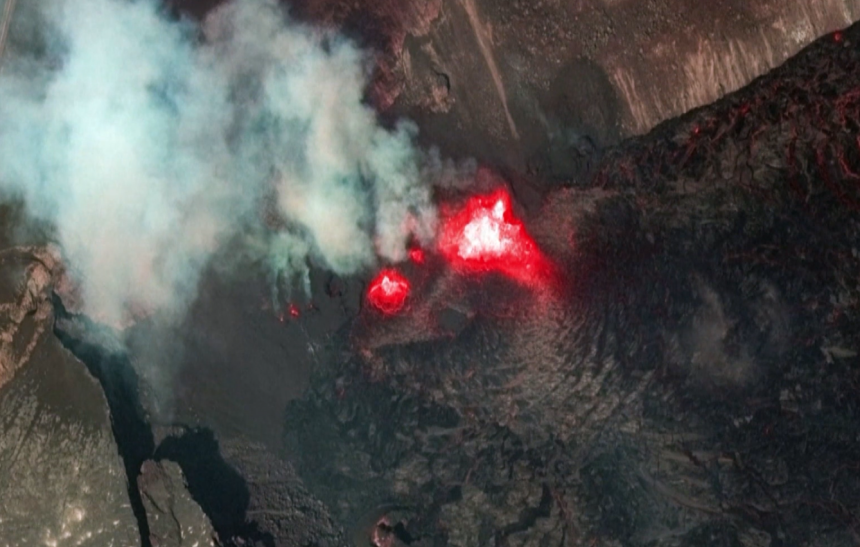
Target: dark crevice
(119,383)
(401,533)
(220,490)
(398,531)
(216,486)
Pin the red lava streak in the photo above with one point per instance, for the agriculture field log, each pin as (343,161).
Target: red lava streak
(486,235)
(388,291)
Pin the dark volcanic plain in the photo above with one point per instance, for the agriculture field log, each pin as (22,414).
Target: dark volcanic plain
(692,380)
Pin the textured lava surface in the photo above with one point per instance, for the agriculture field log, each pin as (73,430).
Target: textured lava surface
(695,382)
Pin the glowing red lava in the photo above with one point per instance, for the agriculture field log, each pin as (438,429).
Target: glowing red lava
(292,310)
(388,291)
(417,255)
(486,235)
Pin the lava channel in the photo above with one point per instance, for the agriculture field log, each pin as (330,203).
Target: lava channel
(388,291)
(486,236)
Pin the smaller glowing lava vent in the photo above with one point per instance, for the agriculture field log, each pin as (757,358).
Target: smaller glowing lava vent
(388,291)
(416,255)
(486,236)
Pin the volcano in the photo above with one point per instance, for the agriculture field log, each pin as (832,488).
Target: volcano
(691,380)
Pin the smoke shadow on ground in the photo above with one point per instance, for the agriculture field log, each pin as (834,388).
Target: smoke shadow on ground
(218,488)
(234,360)
(119,383)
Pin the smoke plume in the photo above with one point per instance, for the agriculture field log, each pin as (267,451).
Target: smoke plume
(148,142)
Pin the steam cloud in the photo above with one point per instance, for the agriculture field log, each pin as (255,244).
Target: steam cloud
(148,142)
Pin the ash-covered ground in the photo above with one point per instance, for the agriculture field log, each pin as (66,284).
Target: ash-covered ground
(689,378)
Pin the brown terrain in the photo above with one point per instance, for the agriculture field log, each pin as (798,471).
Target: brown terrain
(508,81)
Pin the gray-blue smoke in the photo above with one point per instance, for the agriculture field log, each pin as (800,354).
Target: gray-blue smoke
(147,143)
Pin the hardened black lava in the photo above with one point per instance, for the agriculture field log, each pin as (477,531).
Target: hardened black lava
(694,382)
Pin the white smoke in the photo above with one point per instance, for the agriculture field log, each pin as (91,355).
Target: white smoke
(148,142)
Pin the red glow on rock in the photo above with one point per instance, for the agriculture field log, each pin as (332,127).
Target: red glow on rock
(388,291)
(838,37)
(486,235)
(417,255)
(294,311)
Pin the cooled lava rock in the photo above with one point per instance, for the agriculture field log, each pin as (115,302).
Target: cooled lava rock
(691,381)
(175,520)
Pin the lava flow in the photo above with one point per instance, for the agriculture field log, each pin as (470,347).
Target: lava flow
(486,235)
(388,291)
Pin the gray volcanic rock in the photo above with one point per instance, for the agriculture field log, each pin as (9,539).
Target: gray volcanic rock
(175,520)
(61,478)
(251,495)
(278,502)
